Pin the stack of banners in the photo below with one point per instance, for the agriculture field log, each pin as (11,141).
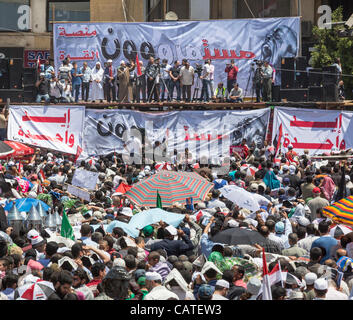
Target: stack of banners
(53,127)
(206,134)
(318,131)
(265,39)
(85,179)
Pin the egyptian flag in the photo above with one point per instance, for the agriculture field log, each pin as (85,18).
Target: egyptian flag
(278,139)
(139,73)
(78,152)
(277,275)
(41,175)
(266,284)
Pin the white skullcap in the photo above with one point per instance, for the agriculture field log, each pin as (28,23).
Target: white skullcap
(222,283)
(310,278)
(153,276)
(126,211)
(173,231)
(321,284)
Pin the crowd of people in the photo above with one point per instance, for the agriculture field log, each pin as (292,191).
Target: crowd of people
(158,81)
(184,262)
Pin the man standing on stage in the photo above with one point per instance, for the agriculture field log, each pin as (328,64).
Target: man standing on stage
(232,71)
(267,72)
(109,81)
(152,74)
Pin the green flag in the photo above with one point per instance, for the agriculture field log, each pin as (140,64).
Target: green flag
(159,201)
(66,228)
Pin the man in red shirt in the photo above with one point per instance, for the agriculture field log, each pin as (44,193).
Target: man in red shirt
(291,154)
(232,71)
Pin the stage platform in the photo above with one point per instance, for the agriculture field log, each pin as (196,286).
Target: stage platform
(170,106)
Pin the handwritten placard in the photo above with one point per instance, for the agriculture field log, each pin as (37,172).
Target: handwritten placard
(85,179)
(82,194)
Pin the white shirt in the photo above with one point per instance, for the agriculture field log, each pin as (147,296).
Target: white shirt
(333,294)
(54,90)
(160,293)
(307,242)
(165,72)
(187,75)
(206,70)
(211,72)
(218,297)
(278,240)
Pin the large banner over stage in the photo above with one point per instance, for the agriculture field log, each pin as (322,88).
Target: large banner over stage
(204,133)
(220,40)
(54,127)
(318,131)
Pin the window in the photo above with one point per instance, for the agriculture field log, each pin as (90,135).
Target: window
(67,11)
(15,15)
(155,9)
(262,8)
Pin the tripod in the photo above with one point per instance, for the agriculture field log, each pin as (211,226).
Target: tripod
(197,88)
(159,76)
(252,85)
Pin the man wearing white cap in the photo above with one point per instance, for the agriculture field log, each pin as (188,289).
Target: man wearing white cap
(109,81)
(37,242)
(320,288)
(309,292)
(172,246)
(124,79)
(97,83)
(155,288)
(42,86)
(221,290)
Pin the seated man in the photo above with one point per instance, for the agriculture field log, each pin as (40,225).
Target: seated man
(220,94)
(236,94)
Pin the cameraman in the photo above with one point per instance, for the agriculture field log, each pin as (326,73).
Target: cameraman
(42,86)
(232,71)
(267,73)
(257,80)
(165,77)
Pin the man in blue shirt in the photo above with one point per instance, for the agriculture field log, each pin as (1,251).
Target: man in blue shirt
(50,249)
(86,80)
(325,241)
(76,76)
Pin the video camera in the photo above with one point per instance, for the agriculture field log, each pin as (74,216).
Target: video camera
(258,63)
(198,69)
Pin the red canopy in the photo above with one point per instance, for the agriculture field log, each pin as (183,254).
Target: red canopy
(20,150)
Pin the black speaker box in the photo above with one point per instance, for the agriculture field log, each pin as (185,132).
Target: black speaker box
(14,95)
(301,75)
(295,95)
(315,78)
(15,73)
(316,94)
(276,93)
(330,93)
(288,73)
(29,76)
(329,75)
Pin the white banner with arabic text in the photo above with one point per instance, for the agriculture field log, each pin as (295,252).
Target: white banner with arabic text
(54,127)
(315,130)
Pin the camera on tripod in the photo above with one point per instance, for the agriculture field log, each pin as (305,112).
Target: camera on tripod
(198,69)
(258,63)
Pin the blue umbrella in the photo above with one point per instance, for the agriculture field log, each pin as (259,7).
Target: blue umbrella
(126,227)
(147,217)
(25,204)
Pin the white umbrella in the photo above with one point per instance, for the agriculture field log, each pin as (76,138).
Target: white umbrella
(241,197)
(340,230)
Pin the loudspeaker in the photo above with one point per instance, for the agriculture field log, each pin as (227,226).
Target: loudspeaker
(316,94)
(330,93)
(287,73)
(276,93)
(301,75)
(29,76)
(329,75)
(15,72)
(315,78)
(13,94)
(295,95)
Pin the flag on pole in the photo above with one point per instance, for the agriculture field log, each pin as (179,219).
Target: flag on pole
(277,275)
(38,65)
(266,285)
(139,73)
(277,142)
(41,175)
(66,229)
(159,201)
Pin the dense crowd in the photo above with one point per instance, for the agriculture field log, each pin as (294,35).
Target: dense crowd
(158,81)
(184,262)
